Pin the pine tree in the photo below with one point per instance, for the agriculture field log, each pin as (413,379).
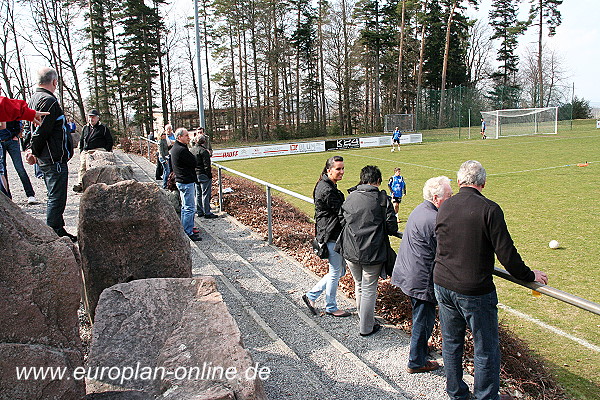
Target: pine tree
(544,12)
(507,28)
(140,59)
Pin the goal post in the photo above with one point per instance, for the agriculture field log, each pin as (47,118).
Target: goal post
(521,122)
(404,122)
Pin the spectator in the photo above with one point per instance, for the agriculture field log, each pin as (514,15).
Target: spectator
(164,158)
(397,187)
(94,137)
(184,167)
(413,271)
(12,110)
(204,176)
(367,216)
(328,202)
(51,148)
(71,126)
(9,138)
(470,229)
(170,135)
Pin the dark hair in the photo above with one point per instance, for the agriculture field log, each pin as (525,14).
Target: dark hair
(370,174)
(328,165)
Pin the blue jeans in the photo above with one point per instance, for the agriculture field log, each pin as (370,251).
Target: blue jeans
(187,192)
(56,178)
(13,148)
(204,192)
(480,313)
(329,283)
(166,171)
(423,319)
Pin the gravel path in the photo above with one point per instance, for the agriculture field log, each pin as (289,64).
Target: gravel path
(310,357)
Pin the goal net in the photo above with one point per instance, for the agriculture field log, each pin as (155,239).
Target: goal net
(404,122)
(520,122)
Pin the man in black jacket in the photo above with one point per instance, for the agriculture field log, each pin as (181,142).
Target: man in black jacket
(51,148)
(184,168)
(94,137)
(204,175)
(470,229)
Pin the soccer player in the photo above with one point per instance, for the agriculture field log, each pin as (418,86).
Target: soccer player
(397,187)
(483,129)
(396,138)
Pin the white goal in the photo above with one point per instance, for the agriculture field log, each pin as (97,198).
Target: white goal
(520,122)
(404,122)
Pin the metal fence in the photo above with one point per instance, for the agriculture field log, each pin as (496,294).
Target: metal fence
(544,289)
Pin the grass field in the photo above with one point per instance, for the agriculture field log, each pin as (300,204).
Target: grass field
(544,195)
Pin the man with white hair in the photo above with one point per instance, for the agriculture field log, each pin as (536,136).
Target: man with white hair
(184,167)
(51,148)
(413,271)
(470,229)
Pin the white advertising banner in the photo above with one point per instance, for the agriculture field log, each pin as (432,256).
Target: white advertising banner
(240,153)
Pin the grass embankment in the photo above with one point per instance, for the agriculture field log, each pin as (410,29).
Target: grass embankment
(544,195)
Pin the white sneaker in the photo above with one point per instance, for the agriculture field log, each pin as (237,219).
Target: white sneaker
(32,200)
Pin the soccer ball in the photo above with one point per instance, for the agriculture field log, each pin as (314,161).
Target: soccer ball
(392,150)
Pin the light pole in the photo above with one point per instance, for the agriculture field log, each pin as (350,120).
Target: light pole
(199,64)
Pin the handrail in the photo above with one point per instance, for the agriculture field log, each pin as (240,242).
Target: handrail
(148,144)
(544,289)
(552,292)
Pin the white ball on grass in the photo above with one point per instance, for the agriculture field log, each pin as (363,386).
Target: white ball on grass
(553,244)
(392,150)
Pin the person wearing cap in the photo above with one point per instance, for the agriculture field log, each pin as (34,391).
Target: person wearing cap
(94,137)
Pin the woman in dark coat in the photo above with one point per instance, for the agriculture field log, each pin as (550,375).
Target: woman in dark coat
(328,201)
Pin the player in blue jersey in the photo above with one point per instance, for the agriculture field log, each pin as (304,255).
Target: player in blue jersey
(397,187)
(396,138)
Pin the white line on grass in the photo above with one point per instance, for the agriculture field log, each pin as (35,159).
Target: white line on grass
(551,328)
(538,169)
(405,163)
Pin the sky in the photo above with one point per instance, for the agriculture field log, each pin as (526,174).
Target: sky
(577,41)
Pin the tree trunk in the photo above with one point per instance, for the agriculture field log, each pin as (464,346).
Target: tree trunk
(445,66)
(400,53)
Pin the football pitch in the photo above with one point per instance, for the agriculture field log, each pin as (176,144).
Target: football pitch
(545,196)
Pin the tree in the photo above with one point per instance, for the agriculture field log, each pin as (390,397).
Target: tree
(543,12)
(140,59)
(507,29)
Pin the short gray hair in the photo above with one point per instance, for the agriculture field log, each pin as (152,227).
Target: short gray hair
(435,187)
(471,173)
(46,75)
(180,132)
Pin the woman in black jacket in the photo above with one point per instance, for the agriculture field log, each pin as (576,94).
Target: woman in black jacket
(367,216)
(328,201)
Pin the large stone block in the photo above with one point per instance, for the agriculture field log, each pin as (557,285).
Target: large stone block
(129,231)
(179,327)
(40,293)
(108,174)
(99,158)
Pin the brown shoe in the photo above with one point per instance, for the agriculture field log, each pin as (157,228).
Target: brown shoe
(339,313)
(429,366)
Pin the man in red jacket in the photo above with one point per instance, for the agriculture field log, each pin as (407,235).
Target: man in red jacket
(12,110)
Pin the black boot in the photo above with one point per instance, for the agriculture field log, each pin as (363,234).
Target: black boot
(62,232)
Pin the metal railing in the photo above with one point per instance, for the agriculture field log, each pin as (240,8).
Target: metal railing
(268,186)
(148,141)
(544,289)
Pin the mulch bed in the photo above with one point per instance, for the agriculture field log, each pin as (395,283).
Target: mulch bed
(523,374)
